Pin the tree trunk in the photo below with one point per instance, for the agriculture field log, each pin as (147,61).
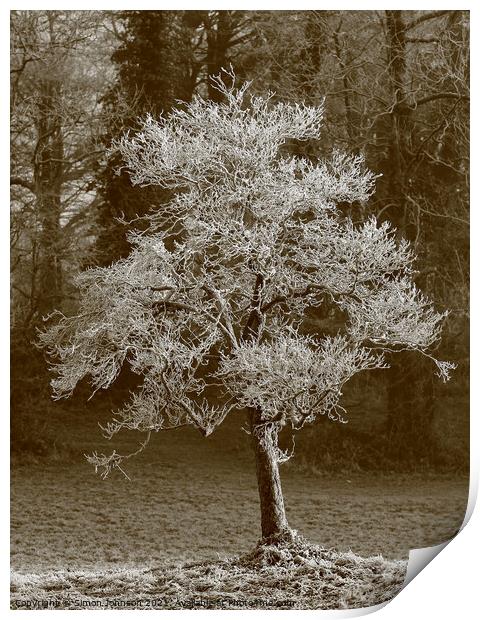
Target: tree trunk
(272,509)
(400,129)
(48,178)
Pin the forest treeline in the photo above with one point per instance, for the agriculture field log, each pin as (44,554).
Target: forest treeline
(395,88)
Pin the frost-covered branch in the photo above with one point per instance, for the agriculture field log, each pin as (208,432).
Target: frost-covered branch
(208,307)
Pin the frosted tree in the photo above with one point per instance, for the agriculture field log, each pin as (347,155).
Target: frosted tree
(208,307)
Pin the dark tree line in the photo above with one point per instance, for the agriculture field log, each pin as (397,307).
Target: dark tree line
(396,88)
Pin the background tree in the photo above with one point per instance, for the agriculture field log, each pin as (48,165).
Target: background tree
(220,34)
(213,322)
(163,58)
(155,69)
(396,90)
(55,121)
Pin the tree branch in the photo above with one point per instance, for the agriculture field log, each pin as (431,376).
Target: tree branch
(423,18)
(422,40)
(311,288)
(440,96)
(22,183)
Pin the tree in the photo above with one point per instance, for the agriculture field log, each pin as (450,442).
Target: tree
(396,89)
(163,58)
(154,64)
(213,321)
(221,34)
(55,120)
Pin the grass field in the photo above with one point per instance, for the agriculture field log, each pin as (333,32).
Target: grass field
(191,499)
(289,573)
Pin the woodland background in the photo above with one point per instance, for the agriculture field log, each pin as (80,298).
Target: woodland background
(396,88)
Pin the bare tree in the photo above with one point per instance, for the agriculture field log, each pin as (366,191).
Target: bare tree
(56,117)
(213,321)
(396,87)
(57,77)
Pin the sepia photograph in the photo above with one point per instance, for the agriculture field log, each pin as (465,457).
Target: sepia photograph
(239,305)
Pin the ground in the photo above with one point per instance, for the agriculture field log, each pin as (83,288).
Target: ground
(194,500)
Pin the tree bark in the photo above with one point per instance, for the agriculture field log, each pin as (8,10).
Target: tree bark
(48,179)
(400,129)
(272,508)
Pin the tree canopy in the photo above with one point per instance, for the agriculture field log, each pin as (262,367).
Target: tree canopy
(209,305)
